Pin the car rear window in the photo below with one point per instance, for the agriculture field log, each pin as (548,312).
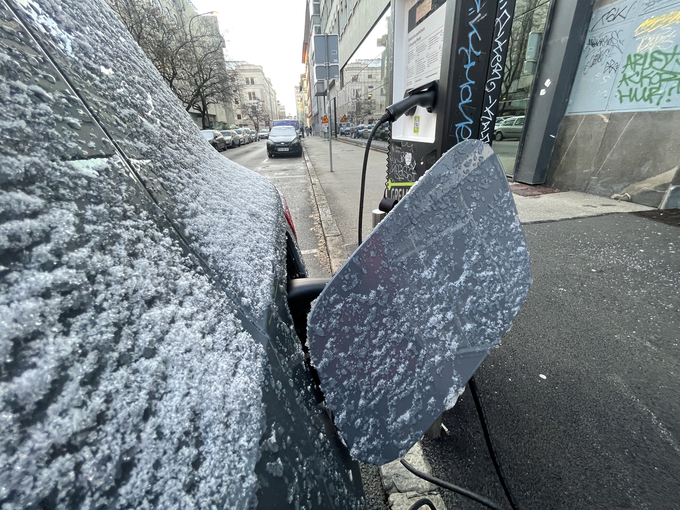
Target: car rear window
(208,135)
(283,130)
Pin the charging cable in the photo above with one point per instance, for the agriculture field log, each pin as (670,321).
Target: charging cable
(425,96)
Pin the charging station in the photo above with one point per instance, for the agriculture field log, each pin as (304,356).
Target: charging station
(457,47)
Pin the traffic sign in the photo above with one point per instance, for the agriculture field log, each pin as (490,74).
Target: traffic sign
(344,118)
(324,121)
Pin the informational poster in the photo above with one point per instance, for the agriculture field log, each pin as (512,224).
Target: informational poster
(425,42)
(631,59)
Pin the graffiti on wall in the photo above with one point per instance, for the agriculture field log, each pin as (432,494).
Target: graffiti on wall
(631,59)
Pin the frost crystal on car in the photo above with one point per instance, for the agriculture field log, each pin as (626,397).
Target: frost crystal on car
(402,326)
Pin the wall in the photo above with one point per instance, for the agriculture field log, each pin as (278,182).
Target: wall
(619,135)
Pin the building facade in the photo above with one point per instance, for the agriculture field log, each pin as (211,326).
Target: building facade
(255,105)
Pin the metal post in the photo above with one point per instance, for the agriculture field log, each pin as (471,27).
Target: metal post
(328,98)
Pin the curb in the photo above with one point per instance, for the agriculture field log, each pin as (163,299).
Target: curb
(403,488)
(335,245)
(359,144)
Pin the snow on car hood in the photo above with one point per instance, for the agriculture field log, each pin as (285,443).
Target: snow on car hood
(127,376)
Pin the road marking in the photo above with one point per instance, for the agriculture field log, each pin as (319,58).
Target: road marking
(266,160)
(309,252)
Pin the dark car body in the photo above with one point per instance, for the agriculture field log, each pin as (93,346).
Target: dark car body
(149,356)
(283,140)
(215,139)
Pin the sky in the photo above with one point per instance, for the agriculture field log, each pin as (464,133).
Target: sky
(267,33)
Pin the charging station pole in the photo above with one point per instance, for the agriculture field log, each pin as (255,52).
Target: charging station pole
(461,45)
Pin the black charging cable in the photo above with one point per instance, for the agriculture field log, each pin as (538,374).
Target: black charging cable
(472,384)
(446,485)
(425,96)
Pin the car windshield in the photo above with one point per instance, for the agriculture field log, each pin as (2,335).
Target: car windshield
(283,130)
(239,131)
(225,133)
(208,135)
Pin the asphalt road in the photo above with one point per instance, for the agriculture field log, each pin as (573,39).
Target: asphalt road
(289,175)
(582,394)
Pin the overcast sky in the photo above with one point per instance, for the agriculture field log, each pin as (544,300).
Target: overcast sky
(267,33)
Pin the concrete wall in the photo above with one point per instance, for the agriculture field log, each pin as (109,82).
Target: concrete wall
(619,136)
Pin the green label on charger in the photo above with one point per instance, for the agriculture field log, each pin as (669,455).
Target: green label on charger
(416,124)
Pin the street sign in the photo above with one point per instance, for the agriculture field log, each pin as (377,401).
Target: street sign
(326,49)
(332,74)
(324,121)
(344,118)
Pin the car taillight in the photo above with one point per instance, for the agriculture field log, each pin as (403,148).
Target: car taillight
(286,213)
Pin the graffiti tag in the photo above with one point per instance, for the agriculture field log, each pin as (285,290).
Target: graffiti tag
(464,128)
(498,51)
(614,15)
(598,49)
(649,77)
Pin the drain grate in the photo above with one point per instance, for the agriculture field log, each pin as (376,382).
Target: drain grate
(527,190)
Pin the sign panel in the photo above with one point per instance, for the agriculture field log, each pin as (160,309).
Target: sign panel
(326,49)
(330,72)
(400,329)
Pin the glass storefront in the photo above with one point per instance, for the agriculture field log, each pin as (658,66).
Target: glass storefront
(528,27)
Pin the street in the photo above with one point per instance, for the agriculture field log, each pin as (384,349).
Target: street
(289,175)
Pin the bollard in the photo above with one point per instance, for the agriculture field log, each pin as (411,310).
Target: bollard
(378,215)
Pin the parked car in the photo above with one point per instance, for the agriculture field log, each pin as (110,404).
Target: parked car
(149,356)
(263,134)
(345,130)
(283,140)
(355,132)
(366,131)
(244,139)
(215,139)
(511,128)
(228,137)
(253,135)
(235,138)
(383,132)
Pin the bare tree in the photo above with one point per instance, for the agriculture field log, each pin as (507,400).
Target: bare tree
(254,110)
(188,55)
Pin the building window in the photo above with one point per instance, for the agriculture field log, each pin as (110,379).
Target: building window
(252,96)
(238,117)
(370,76)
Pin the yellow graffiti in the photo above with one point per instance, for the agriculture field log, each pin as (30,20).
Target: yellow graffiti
(652,24)
(662,40)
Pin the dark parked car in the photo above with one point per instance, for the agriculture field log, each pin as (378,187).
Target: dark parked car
(366,131)
(215,138)
(149,358)
(283,140)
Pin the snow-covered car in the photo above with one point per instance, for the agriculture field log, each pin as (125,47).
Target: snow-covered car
(215,138)
(149,357)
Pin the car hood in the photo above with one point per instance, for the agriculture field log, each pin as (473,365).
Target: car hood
(282,138)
